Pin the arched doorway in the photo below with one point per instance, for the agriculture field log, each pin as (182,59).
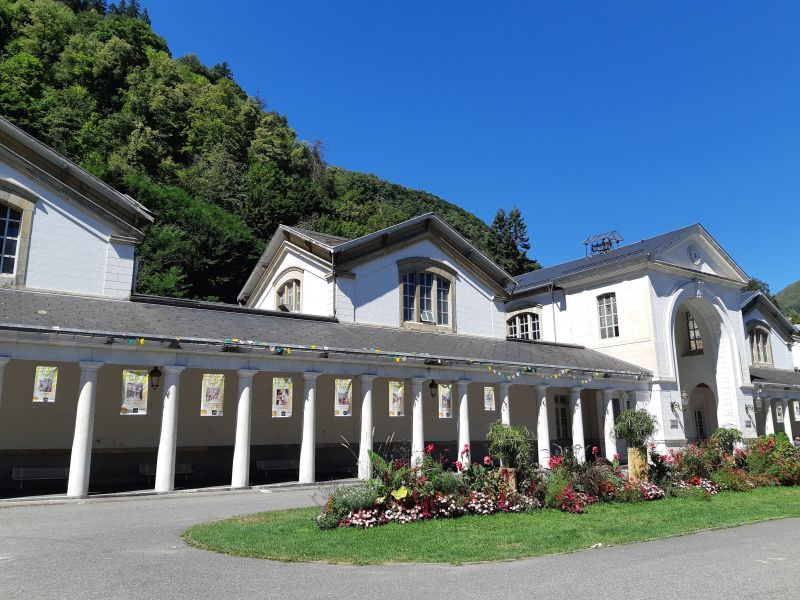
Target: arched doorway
(701,414)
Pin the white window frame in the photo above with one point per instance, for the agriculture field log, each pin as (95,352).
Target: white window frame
(10,216)
(524,325)
(760,346)
(423,297)
(608,315)
(562,417)
(695,339)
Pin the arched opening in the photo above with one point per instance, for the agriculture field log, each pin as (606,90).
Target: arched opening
(701,414)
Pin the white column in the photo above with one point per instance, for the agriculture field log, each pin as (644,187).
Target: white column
(542,425)
(365,443)
(463,420)
(81,457)
(240,472)
(609,441)
(505,403)
(3,362)
(165,463)
(787,418)
(578,441)
(308,444)
(769,423)
(417,421)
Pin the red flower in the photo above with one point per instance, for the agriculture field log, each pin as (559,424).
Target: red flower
(487,461)
(616,456)
(459,466)
(429,449)
(466,449)
(595,450)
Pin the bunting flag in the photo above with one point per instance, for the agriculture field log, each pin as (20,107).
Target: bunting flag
(281,397)
(397,391)
(343,402)
(44,385)
(212,398)
(135,385)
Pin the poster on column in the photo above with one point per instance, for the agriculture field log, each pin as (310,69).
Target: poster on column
(796,409)
(213,395)
(281,397)
(779,413)
(134,392)
(488,398)
(397,392)
(445,401)
(44,385)
(343,402)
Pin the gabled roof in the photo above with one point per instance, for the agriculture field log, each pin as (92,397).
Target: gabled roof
(40,162)
(335,249)
(751,299)
(775,377)
(643,248)
(191,323)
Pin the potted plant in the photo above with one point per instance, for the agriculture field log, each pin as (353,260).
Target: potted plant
(635,426)
(511,445)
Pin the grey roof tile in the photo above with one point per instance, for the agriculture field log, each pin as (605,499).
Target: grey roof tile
(776,376)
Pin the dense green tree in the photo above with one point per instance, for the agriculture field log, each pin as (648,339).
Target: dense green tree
(219,170)
(756,285)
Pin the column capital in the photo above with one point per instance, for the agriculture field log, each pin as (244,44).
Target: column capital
(367,377)
(463,382)
(504,385)
(576,389)
(90,366)
(173,369)
(607,394)
(311,375)
(246,373)
(541,387)
(418,380)
(4,360)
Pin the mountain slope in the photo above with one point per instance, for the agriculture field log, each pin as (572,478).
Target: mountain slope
(219,169)
(789,298)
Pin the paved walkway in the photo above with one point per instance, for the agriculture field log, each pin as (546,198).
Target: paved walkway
(131,548)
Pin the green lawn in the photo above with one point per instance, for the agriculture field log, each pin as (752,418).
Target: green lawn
(292,536)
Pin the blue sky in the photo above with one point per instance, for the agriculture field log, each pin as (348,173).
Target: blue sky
(590,116)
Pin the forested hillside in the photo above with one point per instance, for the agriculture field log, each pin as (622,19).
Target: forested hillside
(218,167)
(789,301)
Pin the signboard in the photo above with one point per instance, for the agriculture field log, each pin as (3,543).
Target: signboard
(445,401)
(281,397)
(488,398)
(213,395)
(44,384)
(779,412)
(397,391)
(135,385)
(796,409)
(343,402)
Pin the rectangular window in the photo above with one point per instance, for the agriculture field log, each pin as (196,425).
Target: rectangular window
(695,341)
(10,222)
(442,301)
(562,418)
(536,333)
(524,327)
(512,327)
(409,285)
(700,424)
(607,312)
(425,292)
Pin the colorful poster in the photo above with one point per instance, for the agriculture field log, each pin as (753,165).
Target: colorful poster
(779,412)
(445,401)
(281,397)
(44,385)
(213,395)
(397,391)
(796,409)
(134,392)
(488,398)
(343,402)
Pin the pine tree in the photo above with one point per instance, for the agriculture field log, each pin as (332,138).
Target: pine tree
(509,243)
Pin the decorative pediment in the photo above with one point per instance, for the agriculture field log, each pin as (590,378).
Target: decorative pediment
(697,251)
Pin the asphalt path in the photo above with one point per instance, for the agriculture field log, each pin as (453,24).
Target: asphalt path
(131,548)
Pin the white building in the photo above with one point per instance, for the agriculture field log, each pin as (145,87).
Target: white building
(661,324)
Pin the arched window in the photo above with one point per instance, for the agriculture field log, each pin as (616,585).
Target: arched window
(10,224)
(524,326)
(289,296)
(695,340)
(427,293)
(759,346)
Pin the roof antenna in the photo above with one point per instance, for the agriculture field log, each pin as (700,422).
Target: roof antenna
(602,243)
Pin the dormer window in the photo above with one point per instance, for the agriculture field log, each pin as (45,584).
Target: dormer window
(427,294)
(524,326)
(10,225)
(289,296)
(759,346)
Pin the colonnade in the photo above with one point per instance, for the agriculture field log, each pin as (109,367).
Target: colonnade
(786,409)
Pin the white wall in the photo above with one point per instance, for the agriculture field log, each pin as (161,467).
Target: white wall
(375,296)
(70,250)
(316,292)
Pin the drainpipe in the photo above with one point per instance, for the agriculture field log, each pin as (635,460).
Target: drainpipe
(333,272)
(553,310)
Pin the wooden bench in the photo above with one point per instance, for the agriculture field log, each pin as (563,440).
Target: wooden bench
(278,464)
(23,474)
(149,471)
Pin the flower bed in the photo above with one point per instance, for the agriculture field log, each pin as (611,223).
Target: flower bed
(440,489)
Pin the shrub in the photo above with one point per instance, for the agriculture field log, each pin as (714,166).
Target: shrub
(726,439)
(635,426)
(733,479)
(511,444)
(557,482)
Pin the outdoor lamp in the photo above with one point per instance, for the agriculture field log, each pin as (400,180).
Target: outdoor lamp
(433,386)
(759,403)
(155,378)
(683,404)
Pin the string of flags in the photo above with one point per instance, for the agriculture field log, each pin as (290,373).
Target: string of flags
(578,375)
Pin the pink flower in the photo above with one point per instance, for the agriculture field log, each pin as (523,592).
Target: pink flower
(487,461)
(595,450)
(429,449)
(616,456)
(459,466)
(466,449)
